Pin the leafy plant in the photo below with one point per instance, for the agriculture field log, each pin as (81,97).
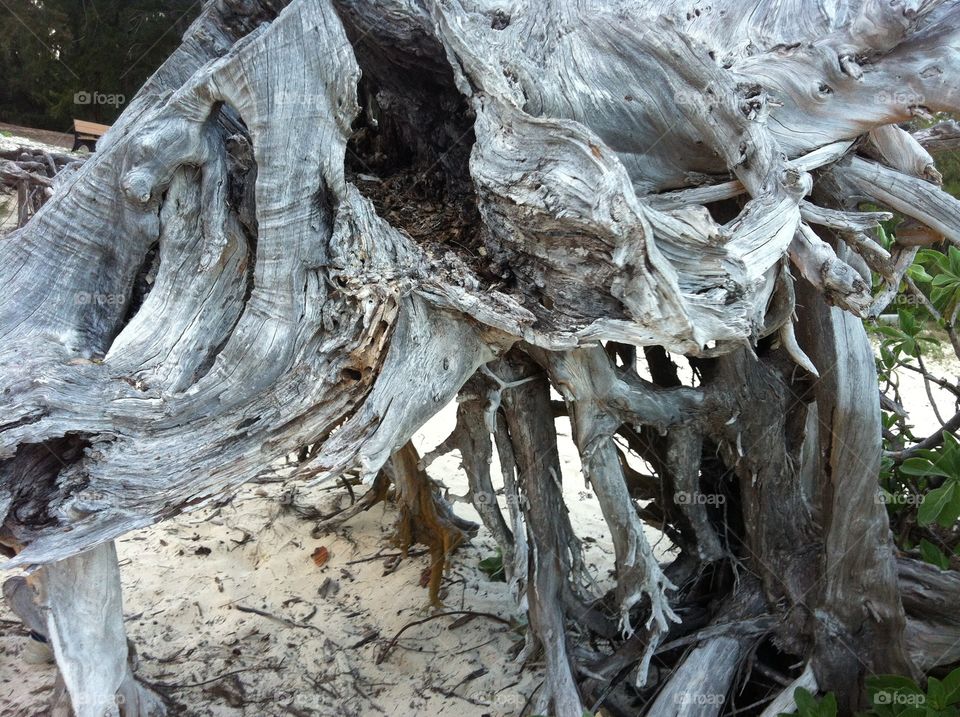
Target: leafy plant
(933,555)
(898,696)
(891,696)
(492,566)
(920,487)
(904,339)
(810,706)
(944,281)
(940,505)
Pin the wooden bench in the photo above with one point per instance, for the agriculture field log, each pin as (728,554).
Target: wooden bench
(86,134)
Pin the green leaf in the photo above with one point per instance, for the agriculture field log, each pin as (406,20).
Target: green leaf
(493,567)
(806,704)
(936,694)
(908,322)
(951,683)
(922,467)
(934,503)
(949,456)
(883,237)
(933,555)
(828,705)
(889,360)
(934,258)
(951,513)
(919,274)
(953,255)
(892,683)
(939,297)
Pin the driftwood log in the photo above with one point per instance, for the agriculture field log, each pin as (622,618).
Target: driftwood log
(32,173)
(319,222)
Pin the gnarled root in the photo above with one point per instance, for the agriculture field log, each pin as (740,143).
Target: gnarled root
(425,517)
(530,423)
(377,493)
(81,599)
(594,424)
(471,436)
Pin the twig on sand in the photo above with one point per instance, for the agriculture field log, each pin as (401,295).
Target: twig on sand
(255,668)
(393,641)
(276,618)
(387,556)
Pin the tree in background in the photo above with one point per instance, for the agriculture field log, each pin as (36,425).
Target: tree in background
(58,56)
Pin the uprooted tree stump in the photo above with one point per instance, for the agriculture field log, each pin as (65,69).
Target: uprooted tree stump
(356,212)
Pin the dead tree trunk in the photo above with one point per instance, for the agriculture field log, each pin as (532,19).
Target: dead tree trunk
(322,220)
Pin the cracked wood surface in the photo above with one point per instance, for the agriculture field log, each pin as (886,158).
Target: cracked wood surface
(632,173)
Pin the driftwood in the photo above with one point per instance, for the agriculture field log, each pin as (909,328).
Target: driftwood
(33,173)
(319,222)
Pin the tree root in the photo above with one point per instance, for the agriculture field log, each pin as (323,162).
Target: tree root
(472,437)
(529,421)
(638,572)
(785,701)
(84,616)
(378,493)
(305,318)
(425,517)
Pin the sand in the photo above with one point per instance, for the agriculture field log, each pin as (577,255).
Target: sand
(190,583)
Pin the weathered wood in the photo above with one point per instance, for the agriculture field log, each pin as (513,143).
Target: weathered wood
(321,221)
(858,556)
(941,137)
(84,624)
(581,377)
(527,414)
(699,686)
(929,600)
(785,702)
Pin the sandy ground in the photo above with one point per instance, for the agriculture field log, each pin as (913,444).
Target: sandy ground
(36,137)
(922,414)
(232,617)
(189,585)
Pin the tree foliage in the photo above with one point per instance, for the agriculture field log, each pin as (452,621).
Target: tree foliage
(58,56)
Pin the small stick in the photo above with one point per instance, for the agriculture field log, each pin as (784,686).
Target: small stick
(386,556)
(281,620)
(393,641)
(218,677)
